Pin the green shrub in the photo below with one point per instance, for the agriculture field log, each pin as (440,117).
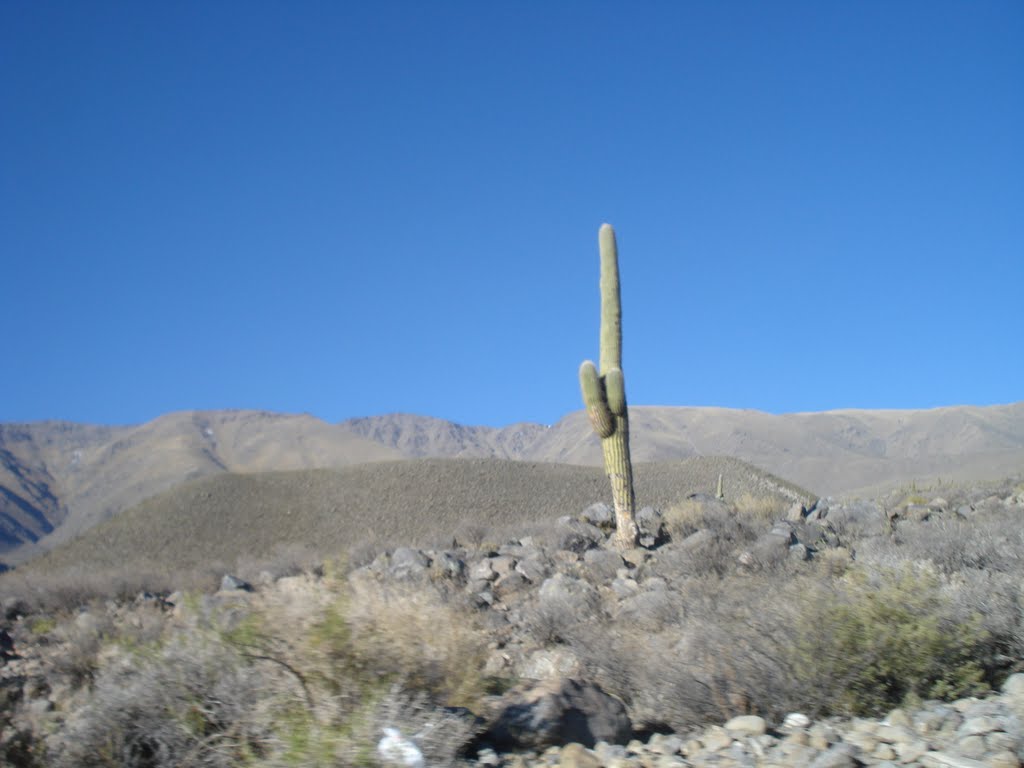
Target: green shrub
(885,639)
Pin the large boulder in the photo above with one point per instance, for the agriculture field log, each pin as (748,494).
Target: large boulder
(558,712)
(650,525)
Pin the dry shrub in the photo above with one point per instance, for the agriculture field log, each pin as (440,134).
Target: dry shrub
(557,620)
(684,518)
(991,541)
(409,634)
(997,599)
(286,560)
(707,538)
(873,640)
(440,733)
(716,657)
(68,589)
(760,509)
(194,703)
(834,562)
(82,637)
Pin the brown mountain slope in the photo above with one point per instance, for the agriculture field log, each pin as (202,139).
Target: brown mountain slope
(95,472)
(833,452)
(218,519)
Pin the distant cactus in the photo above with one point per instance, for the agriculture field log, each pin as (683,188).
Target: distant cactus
(604,393)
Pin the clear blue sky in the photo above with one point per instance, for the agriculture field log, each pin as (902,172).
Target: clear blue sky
(352,208)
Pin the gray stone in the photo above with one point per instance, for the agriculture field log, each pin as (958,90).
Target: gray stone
(837,756)
(796,512)
(651,526)
(857,513)
(550,664)
(534,569)
(799,552)
(482,571)
(898,717)
(972,746)
(624,588)
(716,738)
(559,589)
(1014,685)
(407,562)
(602,563)
(747,725)
(796,720)
(771,549)
(503,564)
(488,757)
(229,583)
(558,712)
(977,726)
(949,760)
(577,536)
(484,599)
(697,541)
(1003,759)
(910,751)
(785,530)
(509,583)
(599,514)
(449,566)
(998,741)
(608,752)
(667,744)
(578,756)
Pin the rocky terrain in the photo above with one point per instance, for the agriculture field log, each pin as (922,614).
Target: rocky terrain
(887,632)
(59,479)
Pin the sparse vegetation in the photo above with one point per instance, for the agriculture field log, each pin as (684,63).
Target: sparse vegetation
(729,615)
(283,521)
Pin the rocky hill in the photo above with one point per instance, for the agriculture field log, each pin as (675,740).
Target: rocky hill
(59,479)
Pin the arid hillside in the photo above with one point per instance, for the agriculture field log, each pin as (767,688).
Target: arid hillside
(58,479)
(227,519)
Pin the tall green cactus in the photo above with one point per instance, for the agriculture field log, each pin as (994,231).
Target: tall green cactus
(604,394)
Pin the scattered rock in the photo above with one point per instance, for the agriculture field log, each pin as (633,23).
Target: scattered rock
(407,562)
(599,514)
(747,725)
(558,712)
(232,583)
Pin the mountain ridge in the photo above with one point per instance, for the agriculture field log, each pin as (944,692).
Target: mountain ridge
(60,478)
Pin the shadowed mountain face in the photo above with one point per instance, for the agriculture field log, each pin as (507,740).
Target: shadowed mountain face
(59,479)
(73,476)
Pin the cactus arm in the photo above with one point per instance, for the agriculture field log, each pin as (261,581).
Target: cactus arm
(595,401)
(615,389)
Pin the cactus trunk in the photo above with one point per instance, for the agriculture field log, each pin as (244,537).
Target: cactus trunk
(604,394)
